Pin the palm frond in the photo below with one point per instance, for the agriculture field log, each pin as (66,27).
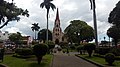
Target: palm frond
(42,5)
(52,6)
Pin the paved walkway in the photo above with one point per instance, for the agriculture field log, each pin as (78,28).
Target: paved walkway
(63,60)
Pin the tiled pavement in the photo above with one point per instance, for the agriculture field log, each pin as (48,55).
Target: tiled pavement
(64,60)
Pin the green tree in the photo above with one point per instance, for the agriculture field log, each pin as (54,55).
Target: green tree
(35,28)
(10,12)
(114,16)
(42,35)
(114,32)
(47,4)
(40,50)
(78,31)
(89,47)
(16,38)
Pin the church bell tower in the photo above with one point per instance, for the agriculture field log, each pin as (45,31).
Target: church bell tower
(57,31)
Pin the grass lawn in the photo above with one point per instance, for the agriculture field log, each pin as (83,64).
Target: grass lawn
(31,62)
(100,60)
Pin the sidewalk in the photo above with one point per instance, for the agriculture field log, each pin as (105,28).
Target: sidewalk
(63,60)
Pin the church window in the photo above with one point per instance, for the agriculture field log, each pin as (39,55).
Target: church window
(57,25)
(62,38)
(56,34)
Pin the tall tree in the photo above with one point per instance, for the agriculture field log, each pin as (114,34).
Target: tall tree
(114,16)
(42,35)
(48,5)
(93,6)
(114,19)
(35,28)
(79,31)
(10,12)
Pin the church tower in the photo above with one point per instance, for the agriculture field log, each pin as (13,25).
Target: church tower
(57,31)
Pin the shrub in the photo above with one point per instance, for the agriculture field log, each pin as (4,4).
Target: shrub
(80,48)
(40,50)
(24,51)
(51,44)
(89,47)
(110,58)
(115,51)
(102,50)
(59,49)
(72,47)
(63,44)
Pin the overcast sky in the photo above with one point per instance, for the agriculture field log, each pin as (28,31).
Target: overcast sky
(68,10)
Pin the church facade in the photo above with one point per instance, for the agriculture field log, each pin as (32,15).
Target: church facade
(57,31)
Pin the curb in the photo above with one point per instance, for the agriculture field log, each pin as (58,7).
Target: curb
(3,65)
(97,64)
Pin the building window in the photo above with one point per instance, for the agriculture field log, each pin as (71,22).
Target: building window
(56,34)
(57,25)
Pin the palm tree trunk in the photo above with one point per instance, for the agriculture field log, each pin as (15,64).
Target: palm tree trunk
(47,26)
(95,23)
(35,35)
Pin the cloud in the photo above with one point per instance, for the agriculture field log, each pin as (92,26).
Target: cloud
(68,10)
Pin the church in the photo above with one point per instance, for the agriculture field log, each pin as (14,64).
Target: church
(57,31)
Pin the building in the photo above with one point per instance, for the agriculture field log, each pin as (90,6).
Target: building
(4,36)
(27,40)
(57,31)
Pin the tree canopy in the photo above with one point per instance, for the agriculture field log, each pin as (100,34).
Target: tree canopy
(42,35)
(114,33)
(16,37)
(114,19)
(35,28)
(114,16)
(79,31)
(10,12)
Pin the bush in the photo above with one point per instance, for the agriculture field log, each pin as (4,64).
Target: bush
(89,47)
(110,58)
(51,44)
(24,51)
(59,49)
(80,48)
(102,50)
(63,44)
(40,50)
(72,47)
(115,51)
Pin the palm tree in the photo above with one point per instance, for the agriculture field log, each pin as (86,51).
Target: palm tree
(35,28)
(48,5)
(94,18)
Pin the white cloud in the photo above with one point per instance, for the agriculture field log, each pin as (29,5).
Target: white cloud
(68,9)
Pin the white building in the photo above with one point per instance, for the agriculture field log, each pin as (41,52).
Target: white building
(4,36)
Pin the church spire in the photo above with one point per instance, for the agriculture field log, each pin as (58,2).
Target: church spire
(57,15)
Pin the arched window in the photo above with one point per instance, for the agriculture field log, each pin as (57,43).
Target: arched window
(57,25)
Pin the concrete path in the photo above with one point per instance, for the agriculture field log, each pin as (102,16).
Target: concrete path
(65,60)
